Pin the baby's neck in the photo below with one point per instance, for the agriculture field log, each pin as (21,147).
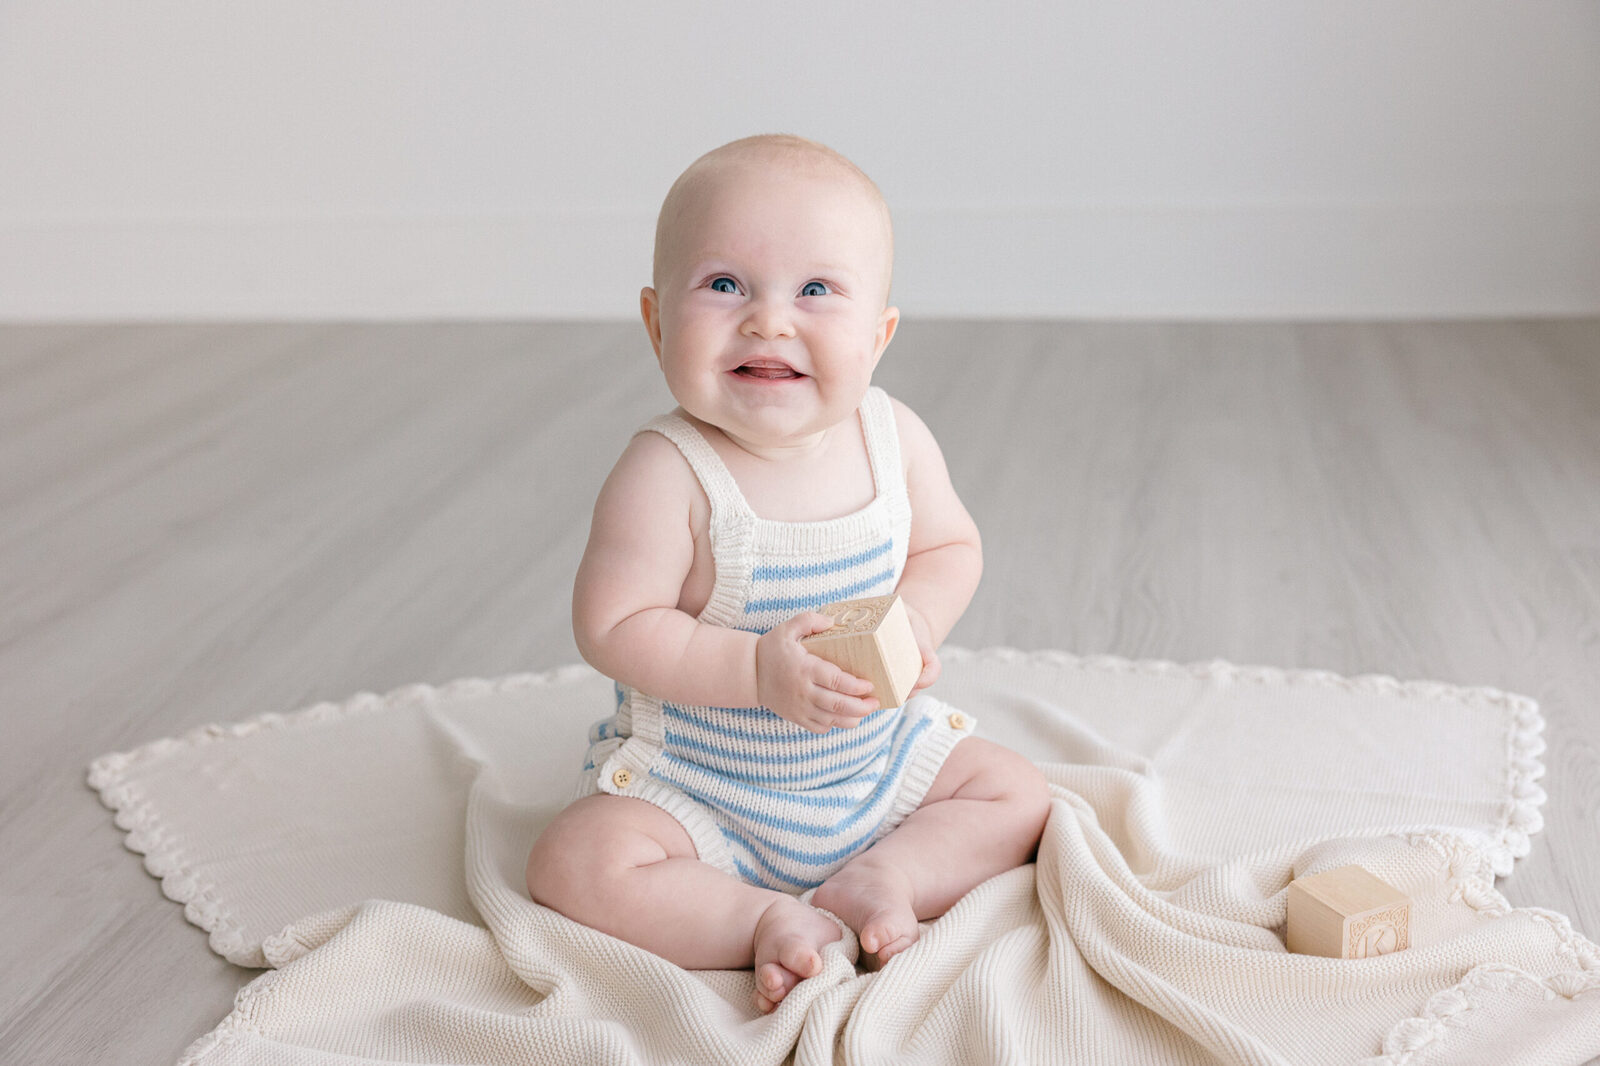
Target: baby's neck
(821,477)
(785,451)
(798,449)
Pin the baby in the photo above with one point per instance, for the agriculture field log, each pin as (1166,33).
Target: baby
(740,771)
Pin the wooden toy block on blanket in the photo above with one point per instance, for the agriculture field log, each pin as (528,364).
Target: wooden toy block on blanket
(372,852)
(1347,914)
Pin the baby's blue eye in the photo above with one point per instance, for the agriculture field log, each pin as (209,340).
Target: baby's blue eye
(724,285)
(814,288)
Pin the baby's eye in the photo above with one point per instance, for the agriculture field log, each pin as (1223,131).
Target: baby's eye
(724,285)
(814,288)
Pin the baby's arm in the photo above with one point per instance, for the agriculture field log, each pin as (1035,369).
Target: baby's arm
(944,558)
(628,625)
(625,614)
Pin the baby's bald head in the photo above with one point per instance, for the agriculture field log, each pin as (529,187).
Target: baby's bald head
(748,158)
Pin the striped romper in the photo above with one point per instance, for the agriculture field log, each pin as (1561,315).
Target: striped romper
(762,798)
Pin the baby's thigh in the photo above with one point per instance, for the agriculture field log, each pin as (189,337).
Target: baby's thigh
(980,769)
(597,837)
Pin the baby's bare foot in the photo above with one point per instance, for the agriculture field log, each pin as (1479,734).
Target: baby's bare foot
(875,901)
(790,937)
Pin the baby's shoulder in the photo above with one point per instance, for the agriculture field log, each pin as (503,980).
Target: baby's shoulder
(652,456)
(652,476)
(903,415)
(916,439)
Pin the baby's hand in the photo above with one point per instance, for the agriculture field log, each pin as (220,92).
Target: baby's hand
(804,688)
(931,667)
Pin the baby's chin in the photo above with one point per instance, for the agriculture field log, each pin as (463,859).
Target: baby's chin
(761,426)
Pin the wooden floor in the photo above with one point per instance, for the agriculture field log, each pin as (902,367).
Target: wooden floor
(204,523)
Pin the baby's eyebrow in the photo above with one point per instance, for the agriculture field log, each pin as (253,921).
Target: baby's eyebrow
(710,266)
(704,270)
(836,271)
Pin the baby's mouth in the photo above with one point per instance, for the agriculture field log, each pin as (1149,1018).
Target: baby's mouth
(767,370)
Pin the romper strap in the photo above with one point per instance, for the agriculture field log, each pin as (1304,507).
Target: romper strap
(883,452)
(721,489)
(732,520)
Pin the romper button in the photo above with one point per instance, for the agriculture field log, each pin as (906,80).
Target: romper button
(622,778)
(958,721)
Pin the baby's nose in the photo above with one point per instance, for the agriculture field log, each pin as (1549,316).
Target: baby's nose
(768,319)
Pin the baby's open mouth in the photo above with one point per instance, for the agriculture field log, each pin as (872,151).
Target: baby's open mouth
(767,370)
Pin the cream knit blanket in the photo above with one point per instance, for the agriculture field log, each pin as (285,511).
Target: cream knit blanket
(372,854)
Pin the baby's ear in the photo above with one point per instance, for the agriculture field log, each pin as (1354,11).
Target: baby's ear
(888,322)
(650,308)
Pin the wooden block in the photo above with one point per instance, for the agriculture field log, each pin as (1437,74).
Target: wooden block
(1347,914)
(872,639)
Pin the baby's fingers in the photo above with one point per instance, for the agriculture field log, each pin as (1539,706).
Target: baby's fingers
(808,623)
(830,676)
(846,711)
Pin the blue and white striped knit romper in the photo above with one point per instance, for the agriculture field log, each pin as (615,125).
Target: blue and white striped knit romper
(762,798)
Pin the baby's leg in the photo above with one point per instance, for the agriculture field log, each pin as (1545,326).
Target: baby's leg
(627,868)
(983,815)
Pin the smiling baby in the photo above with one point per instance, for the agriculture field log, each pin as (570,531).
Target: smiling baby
(742,776)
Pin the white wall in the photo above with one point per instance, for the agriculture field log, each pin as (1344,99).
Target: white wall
(1151,158)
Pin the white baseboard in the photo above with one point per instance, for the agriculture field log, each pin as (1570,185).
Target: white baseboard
(1323,261)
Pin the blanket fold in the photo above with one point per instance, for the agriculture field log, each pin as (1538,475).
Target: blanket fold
(372,853)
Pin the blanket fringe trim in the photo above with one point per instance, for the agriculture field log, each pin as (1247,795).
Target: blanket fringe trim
(163,852)
(165,860)
(1446,1009)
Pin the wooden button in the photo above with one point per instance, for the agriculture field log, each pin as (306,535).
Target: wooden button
(958,720)
(622,778)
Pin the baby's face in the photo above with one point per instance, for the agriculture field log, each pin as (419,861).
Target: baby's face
(770,315)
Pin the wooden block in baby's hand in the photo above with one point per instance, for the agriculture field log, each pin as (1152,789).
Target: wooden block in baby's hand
(872,639)
(1347,914)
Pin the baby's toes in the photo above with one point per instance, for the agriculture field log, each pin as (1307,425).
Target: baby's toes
(800,959)
(788,947)
(773,983)
(896,946)
(882,941)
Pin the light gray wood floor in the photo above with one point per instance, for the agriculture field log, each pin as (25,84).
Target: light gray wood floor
(207,522)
